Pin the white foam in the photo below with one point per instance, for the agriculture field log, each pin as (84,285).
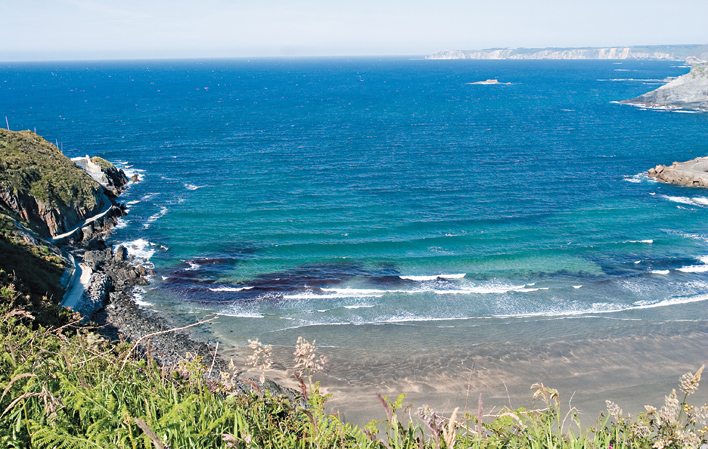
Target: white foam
(639,80)
(337,295)
(132,202)
(703,268)
(138,297)
(140,249)
(577,286)
(360,306)
(605,308)
(229,289)
(189,186)
(647,241)
(346,292)
(688,235)
(131,172)
(156,216)
(662,272)
(700,201)
(121,223)
(240,314)
(433,277)
(193,266)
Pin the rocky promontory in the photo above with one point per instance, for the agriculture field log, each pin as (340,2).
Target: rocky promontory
(44,188)
(688,93)
(55,215)
(693,173)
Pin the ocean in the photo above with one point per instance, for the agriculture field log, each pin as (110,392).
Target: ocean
(434,236)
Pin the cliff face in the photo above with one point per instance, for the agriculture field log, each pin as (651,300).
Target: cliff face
(687,92)
(658,52)
(45,189)
(44,194)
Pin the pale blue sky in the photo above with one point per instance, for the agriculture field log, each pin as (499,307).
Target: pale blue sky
(103,29)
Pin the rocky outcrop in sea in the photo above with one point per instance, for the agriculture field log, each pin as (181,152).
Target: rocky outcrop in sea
(693,173)
(687,93)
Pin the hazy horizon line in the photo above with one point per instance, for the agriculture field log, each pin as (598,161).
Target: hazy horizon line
(4,59)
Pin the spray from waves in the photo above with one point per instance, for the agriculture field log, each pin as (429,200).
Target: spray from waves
(230,289)
(433,277)
(410,317)
(156,216)
(239,314)
(347,292)
(131,172)
(700,201)
(703,268)
(121,223)
(193,266)
(141,249)
(604,308)
(687,235)
(638,80)
(139,297)
(661,272)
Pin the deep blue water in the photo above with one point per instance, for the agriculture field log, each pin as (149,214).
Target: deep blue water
(298,194)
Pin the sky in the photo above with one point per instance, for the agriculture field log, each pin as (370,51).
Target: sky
(124,29)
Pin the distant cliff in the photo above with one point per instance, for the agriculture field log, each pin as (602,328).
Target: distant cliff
(688,92)
(652,52)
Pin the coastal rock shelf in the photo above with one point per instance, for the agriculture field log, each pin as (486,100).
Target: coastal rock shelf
(693,173)
(688,92)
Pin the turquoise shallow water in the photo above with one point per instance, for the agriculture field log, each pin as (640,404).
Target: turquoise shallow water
(336,198)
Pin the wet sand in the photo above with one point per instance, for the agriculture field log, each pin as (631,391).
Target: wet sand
(635,363)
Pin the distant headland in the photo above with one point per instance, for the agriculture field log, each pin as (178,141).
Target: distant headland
(648,52)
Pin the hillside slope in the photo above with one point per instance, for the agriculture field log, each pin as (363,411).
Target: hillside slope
(44,188)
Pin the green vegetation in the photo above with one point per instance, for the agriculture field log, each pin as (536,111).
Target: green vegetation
(29,165)
(67,387)
(39,265)
(104,164)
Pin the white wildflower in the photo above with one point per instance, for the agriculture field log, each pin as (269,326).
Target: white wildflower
(670,411)
(261,357)
(306,359)
(688,439)
(690,381)
(614,411)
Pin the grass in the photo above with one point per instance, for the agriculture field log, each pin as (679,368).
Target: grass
(66,387)
(31,166)
(39,265)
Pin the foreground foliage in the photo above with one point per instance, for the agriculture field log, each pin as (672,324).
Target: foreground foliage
(67,387)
